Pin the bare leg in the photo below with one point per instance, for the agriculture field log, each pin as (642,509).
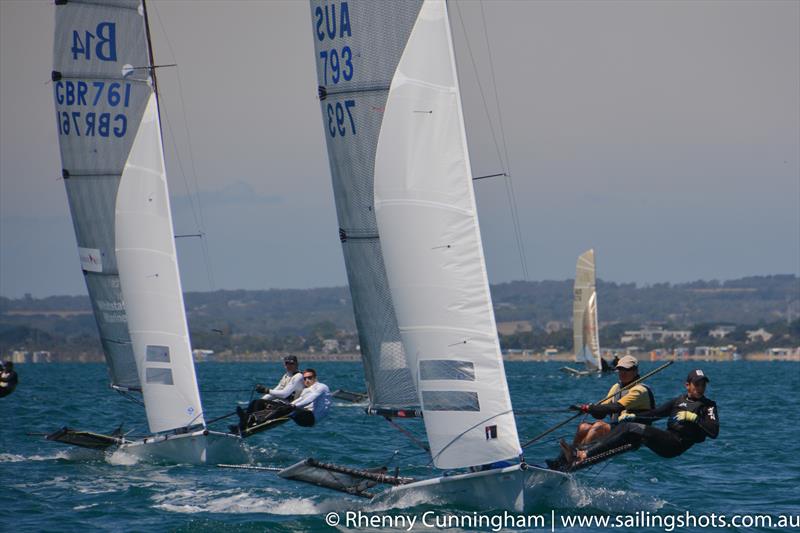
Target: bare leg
(599,429)
(583,430)
(590,432)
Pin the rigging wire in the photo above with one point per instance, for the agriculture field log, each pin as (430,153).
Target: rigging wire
(509,182)
(193,194)
(504,161)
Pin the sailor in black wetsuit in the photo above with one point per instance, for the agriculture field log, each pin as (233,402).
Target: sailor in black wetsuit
(8,378)
(692,418)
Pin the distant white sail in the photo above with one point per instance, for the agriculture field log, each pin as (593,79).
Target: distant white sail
(428,226)
(148,270)
(586,338)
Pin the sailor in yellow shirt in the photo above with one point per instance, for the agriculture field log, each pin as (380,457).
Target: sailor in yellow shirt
(620,405)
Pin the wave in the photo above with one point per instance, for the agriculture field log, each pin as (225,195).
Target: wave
(234,501)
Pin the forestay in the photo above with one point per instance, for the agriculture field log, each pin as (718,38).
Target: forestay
(357,45)
(586,340)
(99,102)
(427,221)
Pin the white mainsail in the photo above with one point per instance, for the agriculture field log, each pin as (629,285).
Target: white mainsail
(586,339)
(428,226)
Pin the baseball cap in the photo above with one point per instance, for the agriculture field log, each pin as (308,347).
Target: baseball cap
(289,358)
(627,362)
(696,375)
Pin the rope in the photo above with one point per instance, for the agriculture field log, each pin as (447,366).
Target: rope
(409,435)
(197,212)
(467,431)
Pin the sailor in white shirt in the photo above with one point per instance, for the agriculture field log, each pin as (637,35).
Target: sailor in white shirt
(274,403)
(289,387)
(314,403)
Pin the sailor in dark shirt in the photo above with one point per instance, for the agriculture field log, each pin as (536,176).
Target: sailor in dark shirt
(8,378)
(692,418)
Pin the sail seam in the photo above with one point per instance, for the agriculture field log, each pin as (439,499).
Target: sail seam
(95,174)
(446,328)
(424,203)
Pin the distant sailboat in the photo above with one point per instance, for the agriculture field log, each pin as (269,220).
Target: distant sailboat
(113,168)
(585,331)
(409,229)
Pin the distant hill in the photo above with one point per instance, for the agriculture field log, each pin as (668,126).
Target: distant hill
(283,318)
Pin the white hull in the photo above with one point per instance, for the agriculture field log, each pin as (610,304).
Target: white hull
(580,373)
(507,488)
(198,447)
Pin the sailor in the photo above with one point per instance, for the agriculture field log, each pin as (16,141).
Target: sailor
(288,388)
(314,403)
(692,418)
(620,402)
(8,379)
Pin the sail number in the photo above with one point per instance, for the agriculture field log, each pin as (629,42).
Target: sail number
(103,43)
(339,64)
(90,123)
(336,119)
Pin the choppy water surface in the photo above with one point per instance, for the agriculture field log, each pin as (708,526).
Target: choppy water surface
(754,466)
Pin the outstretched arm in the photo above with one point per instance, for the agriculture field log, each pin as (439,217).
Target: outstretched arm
(307,398)
(289,389)
(662,411)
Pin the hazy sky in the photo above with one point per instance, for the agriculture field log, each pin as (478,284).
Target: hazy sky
(666,135)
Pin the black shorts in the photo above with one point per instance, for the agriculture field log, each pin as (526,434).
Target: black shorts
(303,417)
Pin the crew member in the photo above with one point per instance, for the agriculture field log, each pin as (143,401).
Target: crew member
(692,418)
(314,403)
(8,379)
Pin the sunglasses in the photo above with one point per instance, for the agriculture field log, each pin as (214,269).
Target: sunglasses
(308,378)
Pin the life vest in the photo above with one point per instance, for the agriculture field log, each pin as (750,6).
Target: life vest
(617,395)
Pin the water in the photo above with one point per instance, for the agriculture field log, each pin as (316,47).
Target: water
(753,467)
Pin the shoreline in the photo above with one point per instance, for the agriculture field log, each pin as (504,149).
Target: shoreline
(276,357)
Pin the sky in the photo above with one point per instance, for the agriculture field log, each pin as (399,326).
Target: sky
(665,135)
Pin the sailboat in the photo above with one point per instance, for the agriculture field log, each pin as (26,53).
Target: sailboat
(408,224)
(585,332)
(109,132)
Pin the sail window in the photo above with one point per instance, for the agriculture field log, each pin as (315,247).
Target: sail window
(159,376)
(450,401)
(158,354)
(447,369)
